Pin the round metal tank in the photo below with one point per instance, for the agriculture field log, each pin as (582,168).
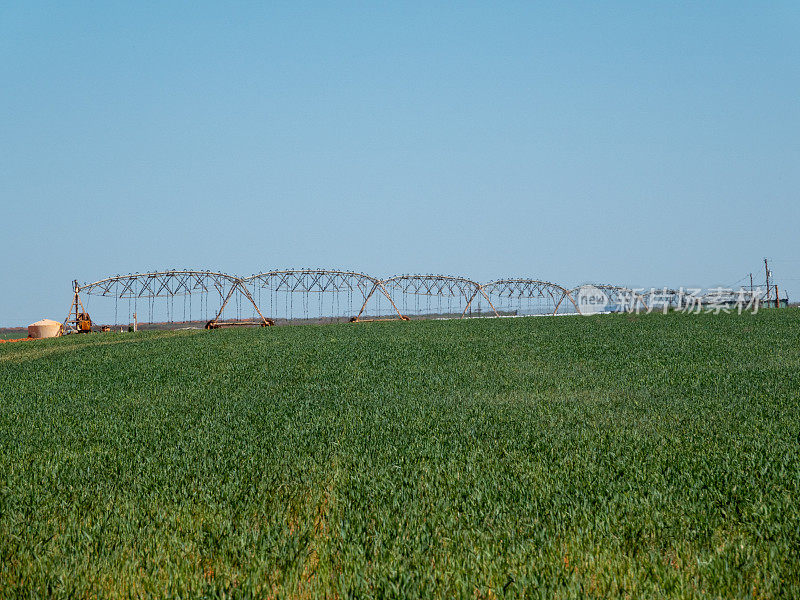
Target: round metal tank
(45,328)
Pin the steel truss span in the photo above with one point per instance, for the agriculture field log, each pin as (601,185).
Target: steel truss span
(530,297)
(323,294)
(219,299)
(445,296)
(150,297)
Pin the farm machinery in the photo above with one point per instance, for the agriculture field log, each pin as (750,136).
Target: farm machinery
(78,320)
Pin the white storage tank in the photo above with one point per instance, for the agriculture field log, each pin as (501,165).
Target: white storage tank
(46,328)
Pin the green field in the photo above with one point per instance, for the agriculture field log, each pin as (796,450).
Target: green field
(13,334)
(653,455)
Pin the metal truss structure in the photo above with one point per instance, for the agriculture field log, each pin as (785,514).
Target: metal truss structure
(161,284)
(552,295)
(436,286)
(338,294)
(325,281)
(144,289)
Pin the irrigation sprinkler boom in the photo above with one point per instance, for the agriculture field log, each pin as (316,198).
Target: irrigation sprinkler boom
(147,288)
(330,295)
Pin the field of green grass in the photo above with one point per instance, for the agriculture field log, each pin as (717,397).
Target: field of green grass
(13,334)
(636,456)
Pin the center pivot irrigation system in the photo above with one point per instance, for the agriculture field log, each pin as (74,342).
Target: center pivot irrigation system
(215,299)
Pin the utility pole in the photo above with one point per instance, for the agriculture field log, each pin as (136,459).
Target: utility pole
(766,268)
(751,284)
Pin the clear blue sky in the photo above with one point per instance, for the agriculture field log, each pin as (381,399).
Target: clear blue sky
(644,144)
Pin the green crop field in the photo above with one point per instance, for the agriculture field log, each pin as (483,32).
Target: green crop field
(637,456)
(13,334)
